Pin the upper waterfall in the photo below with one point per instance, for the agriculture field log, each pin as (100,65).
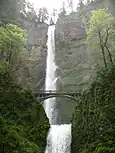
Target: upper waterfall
(50,104)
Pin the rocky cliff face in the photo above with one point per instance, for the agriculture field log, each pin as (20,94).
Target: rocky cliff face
(37,38)
(33,74)
(73,57)
(71,51)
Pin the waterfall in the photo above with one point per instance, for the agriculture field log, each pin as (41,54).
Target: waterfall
(59,136)
(49,104)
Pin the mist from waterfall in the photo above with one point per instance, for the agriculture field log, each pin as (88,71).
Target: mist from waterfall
(59,136)
(59,139)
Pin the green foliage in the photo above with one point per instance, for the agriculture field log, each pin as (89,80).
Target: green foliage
(100,19)
(14,139)
(5,73)
(93,126)
(23,123)
(100,34)
(12,42)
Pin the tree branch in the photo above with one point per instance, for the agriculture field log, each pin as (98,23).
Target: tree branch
(17,68)
(105,45)
(109,53)
(102,48)
(107,35)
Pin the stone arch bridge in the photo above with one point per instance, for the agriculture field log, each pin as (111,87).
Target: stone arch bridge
(43,95)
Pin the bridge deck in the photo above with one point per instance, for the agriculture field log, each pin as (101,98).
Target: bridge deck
(50,92)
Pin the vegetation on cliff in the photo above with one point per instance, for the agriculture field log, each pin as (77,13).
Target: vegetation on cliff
(93,126)
(23,123)
(13,41)
(100,35)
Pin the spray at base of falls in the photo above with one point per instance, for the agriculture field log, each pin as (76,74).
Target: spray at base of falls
(59,139)
(59,136)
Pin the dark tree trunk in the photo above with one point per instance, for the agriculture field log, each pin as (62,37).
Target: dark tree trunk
(102,49)
(109,53)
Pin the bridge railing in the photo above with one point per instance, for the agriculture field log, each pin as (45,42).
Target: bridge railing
(57,92)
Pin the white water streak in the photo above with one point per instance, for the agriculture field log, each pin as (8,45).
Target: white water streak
(59,137)
(50,104)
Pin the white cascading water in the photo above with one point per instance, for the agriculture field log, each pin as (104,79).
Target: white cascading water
(59,136)
(49,104)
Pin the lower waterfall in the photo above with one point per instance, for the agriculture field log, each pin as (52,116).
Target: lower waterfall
(59,139)
(59,136)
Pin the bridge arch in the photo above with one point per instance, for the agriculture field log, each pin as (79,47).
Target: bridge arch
(43,95)
(53,96)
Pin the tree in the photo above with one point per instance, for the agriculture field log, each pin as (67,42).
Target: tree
(93,121)
(43,14)
(80,4)
(13,11)
(54,14)
(70,4)
(27,10)
(63,10)
(7,9)
(88,1)
(22,129)
(100,34)
(12,43)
